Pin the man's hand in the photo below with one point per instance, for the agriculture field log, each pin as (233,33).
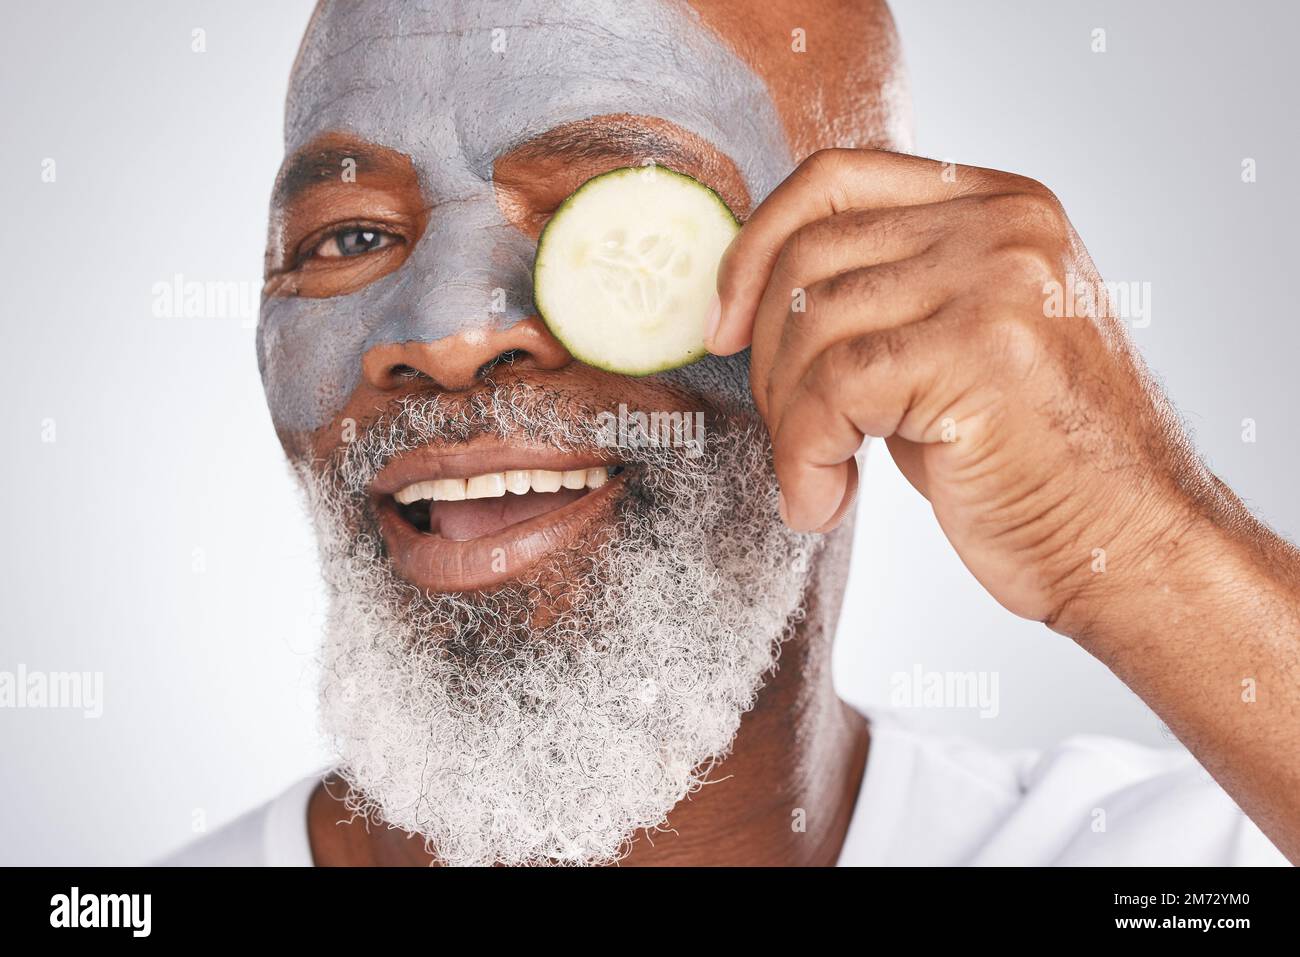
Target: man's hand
(888,295)
(882,297)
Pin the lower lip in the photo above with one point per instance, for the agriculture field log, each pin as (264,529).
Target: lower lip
(438,564)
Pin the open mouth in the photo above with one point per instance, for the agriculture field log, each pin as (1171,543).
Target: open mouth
(474,518)
(461,510)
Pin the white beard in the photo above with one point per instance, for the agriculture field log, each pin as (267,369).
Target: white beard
(501,740)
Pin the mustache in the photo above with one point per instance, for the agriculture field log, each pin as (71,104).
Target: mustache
(513,410)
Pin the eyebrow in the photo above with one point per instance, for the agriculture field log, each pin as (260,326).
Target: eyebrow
(590,140)
(313,165)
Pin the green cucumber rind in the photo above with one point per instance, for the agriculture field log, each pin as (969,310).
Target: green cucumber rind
(577,353)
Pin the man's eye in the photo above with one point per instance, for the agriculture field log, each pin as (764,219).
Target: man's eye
(353,242)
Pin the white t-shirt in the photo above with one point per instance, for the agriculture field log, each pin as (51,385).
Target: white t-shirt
(928,800)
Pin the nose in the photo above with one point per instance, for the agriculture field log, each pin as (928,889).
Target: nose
(458,362)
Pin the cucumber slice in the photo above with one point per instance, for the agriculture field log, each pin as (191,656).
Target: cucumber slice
(627,266)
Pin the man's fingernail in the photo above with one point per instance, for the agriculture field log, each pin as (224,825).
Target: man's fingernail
(711,320)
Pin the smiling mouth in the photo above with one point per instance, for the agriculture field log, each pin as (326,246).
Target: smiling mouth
(461,510)
(472,519)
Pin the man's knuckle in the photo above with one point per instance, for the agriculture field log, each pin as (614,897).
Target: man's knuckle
(856,285)
(799,252)
(1021,266)
(864,353)
(812,168)
(828,157)
(1032,206)
(1015,343)
(804,313)
(1047,211)
(825,171)
(1019,183)
(817,303)
(1005,206)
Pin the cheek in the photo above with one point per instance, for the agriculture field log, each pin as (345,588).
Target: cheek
(722,381)
(309,356)
(320,444)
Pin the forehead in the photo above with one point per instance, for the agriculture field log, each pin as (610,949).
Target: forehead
(455,84)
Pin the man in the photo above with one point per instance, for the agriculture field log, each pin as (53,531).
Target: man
(631,661)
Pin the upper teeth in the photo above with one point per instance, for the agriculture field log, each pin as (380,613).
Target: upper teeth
(496,484)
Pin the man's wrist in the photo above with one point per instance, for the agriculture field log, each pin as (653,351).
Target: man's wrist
(1158,575)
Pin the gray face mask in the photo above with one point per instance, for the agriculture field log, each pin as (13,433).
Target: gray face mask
(453,85)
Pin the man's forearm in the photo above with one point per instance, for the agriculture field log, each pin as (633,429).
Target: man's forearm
(1206,630)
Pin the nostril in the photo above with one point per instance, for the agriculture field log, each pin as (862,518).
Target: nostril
(508,358)
(401,371)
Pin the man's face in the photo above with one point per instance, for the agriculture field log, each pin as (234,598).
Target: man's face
(536,675)
(454,117)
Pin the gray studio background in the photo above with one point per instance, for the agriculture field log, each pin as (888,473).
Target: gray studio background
(158,538)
